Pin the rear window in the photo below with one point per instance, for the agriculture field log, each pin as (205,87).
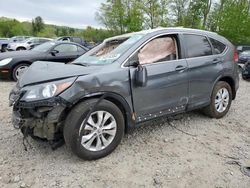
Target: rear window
(218,46)
(197,46)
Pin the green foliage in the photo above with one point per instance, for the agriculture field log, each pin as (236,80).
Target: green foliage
(230,18)
(12,27)
(37,25)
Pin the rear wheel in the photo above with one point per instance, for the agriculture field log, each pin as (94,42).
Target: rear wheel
(19,70)
(100,135)
(221,100)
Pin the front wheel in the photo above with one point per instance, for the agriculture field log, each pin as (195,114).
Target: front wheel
(221,100)
(100,135)
(19,70)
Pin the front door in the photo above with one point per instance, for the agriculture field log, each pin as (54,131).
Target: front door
(64,53)
(166,91)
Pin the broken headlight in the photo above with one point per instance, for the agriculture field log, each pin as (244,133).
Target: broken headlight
(46,90)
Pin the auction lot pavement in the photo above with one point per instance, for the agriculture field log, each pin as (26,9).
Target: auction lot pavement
(155,155)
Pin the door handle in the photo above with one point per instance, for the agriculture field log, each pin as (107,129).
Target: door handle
(217,60)
(180,68)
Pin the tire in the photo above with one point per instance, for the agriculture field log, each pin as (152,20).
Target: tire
(15,71)
(20,49)
(212,110)
(73,129)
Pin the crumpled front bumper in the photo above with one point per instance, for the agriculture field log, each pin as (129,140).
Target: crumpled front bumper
(44,118)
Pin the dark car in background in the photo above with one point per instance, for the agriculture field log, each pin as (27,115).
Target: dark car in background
(242,48)
(126,80)
(244,57)
(27,44)
(4,44)
(13,64)
(246,71)
(78,40)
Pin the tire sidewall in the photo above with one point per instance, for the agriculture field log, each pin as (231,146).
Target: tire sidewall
(76,145)
(15,69)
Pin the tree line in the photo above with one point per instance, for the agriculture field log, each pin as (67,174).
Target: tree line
(230,18)
(12,27)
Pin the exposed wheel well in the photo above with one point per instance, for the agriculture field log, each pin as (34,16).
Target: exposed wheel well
(230,81)
(20,47)
(117,102)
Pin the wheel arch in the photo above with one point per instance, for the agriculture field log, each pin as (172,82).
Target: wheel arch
(230,81)
(21,47)
(18,63)
(116,99)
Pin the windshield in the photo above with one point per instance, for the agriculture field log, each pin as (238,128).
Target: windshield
(108,51)
(44,47)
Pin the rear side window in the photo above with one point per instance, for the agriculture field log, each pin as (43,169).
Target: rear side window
(197,46)
(218,46)
(62,48)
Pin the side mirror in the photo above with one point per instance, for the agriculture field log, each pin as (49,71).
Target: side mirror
(54,52)
(134,63)
(29,42)
(141,76)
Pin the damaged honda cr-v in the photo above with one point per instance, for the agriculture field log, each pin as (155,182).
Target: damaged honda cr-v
(124,81)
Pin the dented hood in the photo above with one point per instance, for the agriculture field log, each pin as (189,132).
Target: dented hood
(42,71)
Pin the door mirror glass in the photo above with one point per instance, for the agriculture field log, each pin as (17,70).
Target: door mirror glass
(141,75)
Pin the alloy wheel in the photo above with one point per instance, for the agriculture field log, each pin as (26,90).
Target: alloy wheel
(99,131)
(222,100)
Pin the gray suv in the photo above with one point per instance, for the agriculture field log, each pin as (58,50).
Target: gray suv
(124,81)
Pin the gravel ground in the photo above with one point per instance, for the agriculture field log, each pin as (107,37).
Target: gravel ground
(154,155)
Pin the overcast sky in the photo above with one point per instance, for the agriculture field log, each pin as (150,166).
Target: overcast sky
(72,13)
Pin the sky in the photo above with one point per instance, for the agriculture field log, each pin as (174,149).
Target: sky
(71,13)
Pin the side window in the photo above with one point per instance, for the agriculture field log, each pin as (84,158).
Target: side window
(19,39)
(43,40)
(34,40)
(158,50)
(197,46)
(81,49)
(66,48)
(218,46)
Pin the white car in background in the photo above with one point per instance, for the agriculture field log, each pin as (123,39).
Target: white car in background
(27,44)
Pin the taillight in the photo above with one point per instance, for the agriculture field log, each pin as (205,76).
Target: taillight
(236,56)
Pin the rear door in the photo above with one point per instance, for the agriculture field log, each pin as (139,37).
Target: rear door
(166,90)
(204,68)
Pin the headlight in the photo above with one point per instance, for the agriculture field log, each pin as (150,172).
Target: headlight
(5,61)
(47,90)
